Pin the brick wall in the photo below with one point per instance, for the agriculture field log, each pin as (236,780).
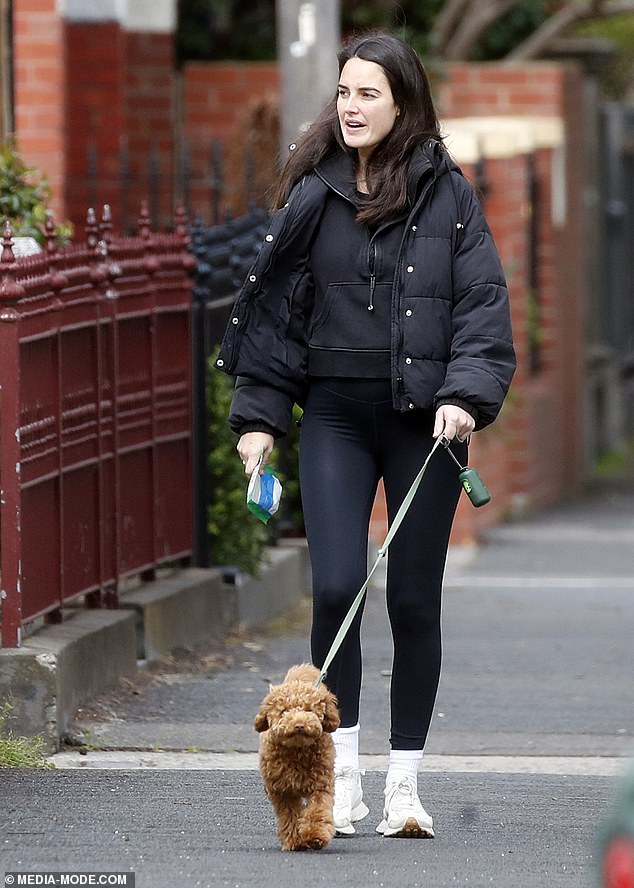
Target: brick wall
(230,103)
(150,120)
(124,100)
(95,103)
(40,81)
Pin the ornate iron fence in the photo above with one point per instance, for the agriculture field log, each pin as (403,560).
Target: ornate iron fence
(95,406)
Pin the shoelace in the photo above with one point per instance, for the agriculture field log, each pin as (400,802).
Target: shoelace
(347,776)
(405,789)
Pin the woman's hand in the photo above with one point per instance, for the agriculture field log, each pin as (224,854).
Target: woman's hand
(251,446)
(453,422)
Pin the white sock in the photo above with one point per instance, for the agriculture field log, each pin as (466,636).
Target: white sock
(346,742)
(403,765)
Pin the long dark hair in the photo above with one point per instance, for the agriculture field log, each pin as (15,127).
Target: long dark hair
(386,172)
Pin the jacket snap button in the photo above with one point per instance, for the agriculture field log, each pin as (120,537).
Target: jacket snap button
(252,278)
(234,320)
(220,363)
(408,360)
(269,238)
(414,227)
(410,268)
(411,406)
(408,313)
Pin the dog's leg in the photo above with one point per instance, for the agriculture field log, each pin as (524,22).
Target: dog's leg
(288,810)
(317,827)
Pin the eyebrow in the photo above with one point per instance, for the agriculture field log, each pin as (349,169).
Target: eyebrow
(361,88)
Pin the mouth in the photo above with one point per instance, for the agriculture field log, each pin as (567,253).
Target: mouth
(353,126)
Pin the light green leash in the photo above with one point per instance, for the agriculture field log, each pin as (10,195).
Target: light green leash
(354,607)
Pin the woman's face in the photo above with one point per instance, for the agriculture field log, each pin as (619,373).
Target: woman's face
(365,105)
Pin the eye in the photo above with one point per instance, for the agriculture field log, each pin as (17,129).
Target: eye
(342,92)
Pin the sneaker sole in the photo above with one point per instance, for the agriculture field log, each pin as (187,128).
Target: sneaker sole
(358,813)
(410,830)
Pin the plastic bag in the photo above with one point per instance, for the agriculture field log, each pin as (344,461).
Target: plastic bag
(264,492)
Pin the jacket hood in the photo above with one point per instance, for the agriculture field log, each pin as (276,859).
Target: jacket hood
(338,170)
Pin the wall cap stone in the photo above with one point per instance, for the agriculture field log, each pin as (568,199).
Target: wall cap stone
(470,139)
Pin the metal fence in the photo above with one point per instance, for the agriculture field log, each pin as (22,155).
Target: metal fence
(95,431)
(196,177)
(617,269)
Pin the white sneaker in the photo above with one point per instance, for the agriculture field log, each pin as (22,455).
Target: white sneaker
(348,805)
(403,815)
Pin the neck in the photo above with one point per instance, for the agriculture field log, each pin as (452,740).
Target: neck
(361,174)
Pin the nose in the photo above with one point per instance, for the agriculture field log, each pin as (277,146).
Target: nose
(300,729)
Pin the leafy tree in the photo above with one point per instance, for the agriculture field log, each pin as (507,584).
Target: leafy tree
(226,29)
(448,29)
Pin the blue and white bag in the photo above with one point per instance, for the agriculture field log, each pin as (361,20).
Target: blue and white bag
(264,492)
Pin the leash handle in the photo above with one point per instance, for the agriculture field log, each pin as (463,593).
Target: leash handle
(396,523)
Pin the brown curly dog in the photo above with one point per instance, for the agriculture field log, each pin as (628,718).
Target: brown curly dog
(297,757)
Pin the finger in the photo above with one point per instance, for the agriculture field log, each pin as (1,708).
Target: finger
(439,424)
(250,463)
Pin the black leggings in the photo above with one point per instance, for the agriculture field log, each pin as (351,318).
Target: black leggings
(351,437)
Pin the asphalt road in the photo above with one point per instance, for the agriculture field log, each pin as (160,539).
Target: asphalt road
(533,724)
(216,829)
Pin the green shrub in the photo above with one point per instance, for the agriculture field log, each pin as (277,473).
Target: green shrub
(237,538)
(25,196)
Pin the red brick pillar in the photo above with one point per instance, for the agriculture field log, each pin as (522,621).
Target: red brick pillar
(120,82)
(88,84)
(40,77)
(95,104)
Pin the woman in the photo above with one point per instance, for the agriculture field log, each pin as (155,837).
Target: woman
(378,302)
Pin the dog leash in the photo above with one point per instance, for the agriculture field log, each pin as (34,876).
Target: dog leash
(476,491)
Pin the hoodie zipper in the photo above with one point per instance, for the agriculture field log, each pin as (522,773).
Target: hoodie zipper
(372,262)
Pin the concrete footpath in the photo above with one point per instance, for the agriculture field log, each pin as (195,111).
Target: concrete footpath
(533,725)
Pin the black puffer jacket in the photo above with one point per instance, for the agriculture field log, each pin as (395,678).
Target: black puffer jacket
(450,327)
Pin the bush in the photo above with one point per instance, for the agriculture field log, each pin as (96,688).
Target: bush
(25,196)
(237,538)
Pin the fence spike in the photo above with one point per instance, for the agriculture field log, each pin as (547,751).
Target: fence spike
(50,234)
(10,289)
(92,232)
(8,256)
(144,221)
(106,225)
(181,221)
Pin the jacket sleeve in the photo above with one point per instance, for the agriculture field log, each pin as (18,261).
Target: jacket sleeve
(482,361)
(264,344)
(259,408)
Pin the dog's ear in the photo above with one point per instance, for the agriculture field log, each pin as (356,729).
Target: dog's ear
(261,722)
(331,719)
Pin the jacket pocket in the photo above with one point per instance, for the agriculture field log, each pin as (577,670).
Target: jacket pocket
(342,317)
(427,328)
